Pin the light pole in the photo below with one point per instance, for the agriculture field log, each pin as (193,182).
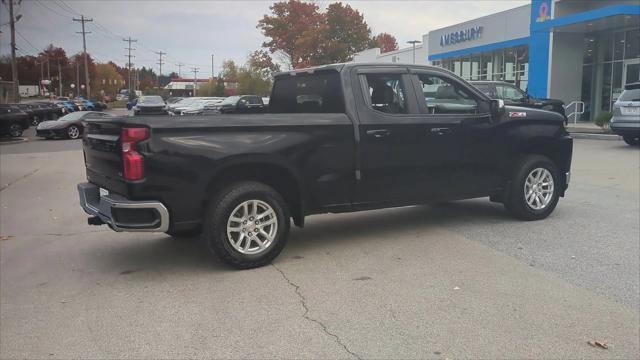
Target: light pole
(414,42)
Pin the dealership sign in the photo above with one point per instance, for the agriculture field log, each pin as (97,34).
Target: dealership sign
(461,36)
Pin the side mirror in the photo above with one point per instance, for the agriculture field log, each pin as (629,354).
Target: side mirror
(497,106)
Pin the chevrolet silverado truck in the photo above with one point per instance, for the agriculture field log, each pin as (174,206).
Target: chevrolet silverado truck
(336,138)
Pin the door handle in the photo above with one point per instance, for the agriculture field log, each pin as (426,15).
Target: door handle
(379,133)
(440,131)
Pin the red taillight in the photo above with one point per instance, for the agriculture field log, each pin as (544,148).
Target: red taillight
(132,161)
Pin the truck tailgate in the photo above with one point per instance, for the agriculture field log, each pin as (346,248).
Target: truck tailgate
(103,154)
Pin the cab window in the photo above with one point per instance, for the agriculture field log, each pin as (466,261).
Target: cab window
(508,92)
(443,96)
(387,93)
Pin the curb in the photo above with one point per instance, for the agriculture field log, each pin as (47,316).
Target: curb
(13,141)
(581,135)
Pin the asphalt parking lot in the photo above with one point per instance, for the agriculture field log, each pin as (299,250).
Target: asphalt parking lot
(448,281)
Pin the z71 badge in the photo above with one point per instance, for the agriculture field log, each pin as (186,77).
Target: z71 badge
(517,114)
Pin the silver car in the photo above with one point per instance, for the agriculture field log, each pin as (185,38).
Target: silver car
(626,114)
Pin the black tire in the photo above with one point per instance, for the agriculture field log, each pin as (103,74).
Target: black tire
(515,201)
(632,140)
(220,210)
(15,130)
(73,132)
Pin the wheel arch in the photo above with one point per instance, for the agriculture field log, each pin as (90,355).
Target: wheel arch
(265,169)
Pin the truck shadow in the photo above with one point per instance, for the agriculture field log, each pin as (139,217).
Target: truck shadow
(164,254)
(329,230)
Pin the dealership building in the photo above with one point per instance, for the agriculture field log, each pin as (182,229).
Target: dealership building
(579,51)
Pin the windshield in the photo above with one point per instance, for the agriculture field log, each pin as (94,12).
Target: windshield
(73,116)
(231,100)
(151,100)
(630,95)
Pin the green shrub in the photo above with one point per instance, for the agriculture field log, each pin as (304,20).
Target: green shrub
(603,119)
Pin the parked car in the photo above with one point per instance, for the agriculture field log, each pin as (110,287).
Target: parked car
(150,105)
(31,111)
(325,146)
(626,114)
(52,112)
(69,126)
(13,121)
(513,95)
(242,104)
(63,98)
(132,103)
(99,105)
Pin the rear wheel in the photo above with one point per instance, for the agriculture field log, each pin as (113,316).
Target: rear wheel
(15,130)
(73,132)
(632,140)
(247,225)
(534,189)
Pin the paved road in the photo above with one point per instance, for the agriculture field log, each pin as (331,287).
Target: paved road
(461,280)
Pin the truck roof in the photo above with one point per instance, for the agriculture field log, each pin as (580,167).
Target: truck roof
(339,67)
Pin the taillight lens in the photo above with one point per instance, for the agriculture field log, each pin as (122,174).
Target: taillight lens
(132,161)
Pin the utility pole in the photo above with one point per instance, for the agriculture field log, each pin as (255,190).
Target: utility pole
(195,79)
(14,63)
(129,40)
(179,65)
(160,62)
(41,86)
(414,42)
(48,68)
(212,73)
(77,76)
(84,49)
(59,78)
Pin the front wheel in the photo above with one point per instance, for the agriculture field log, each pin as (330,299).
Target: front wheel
(247,225)
(534,189)
(73,132)
(632,140)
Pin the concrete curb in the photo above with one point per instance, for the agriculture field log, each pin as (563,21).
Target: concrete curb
(13,141)
(580,135)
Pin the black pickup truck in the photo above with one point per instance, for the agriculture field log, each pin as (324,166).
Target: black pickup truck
(336,138)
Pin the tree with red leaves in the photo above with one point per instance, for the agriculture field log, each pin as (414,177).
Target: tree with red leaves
(386,42)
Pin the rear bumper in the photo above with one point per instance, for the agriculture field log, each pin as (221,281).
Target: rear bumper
(626,128)
(122,214)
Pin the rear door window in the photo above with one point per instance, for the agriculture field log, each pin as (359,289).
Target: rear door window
(387,93)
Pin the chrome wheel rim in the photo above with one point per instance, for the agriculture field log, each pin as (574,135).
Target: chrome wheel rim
(252,227)
(538,188)
(73,132)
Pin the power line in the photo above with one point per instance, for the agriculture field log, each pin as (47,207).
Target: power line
(28,42)
(50,9)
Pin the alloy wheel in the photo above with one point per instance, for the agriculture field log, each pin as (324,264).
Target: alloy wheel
(252,227)
(539,188)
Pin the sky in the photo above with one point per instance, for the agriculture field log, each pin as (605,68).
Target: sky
(191,31)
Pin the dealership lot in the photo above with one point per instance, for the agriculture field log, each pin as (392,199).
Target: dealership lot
(453,280)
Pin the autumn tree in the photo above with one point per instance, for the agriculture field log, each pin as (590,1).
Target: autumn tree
(256,76)
(346,34)
(107,81)
(293,28)
(386,42)
(229,71)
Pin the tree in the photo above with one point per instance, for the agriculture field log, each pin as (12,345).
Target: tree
(293,29)
(108,80)
(385,42)
(260,61)
(219,91)
(229,71)
(56,59)
(347,33)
